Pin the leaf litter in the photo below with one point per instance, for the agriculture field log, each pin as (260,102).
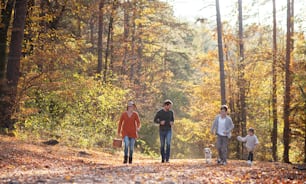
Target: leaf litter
(22,162)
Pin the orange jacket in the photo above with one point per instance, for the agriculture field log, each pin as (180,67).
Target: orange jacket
(128,125)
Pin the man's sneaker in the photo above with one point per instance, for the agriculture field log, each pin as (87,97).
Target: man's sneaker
(224,163)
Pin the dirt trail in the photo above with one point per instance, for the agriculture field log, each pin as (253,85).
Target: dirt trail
(22,162)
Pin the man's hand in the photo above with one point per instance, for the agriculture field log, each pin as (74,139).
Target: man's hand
(171,123)
(162,122)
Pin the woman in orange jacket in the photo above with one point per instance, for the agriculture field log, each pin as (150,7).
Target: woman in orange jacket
(128,128)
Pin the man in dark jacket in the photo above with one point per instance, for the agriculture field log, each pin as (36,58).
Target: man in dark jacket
(165,119)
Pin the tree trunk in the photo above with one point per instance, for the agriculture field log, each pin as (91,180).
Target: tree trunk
(92,30)
(274,89)
(125,37)
(13,64)
(111,59)
(241,77)
(133,41)
(220,52)
(231,103)
(305,143)
(6,15)
(288,82)
(304,120)
(100,36)
(16,42)
(110,30)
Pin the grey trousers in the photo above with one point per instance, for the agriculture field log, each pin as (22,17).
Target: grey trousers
(222,144)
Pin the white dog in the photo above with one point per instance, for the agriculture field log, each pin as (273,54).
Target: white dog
(208,155)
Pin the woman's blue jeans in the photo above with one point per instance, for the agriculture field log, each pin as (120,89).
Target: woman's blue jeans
(128,145)
(165,138)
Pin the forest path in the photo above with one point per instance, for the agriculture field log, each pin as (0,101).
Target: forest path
(22,162)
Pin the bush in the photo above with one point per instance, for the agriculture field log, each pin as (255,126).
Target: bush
(80,114)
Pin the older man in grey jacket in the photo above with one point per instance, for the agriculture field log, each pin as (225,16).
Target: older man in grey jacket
(222,127)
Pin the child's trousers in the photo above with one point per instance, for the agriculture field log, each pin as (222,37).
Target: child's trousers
(250,156)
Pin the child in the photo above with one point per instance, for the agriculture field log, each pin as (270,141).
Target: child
(251,142)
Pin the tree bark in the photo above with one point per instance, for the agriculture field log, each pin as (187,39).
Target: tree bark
(13,64)
(134,39)
(100,36)
(16,42)
(92,29)
(220,53)
(305,142)
(126,6)
(241,79)
(111,59)
(274,88)
(6,15)
(288,82)
(108,43)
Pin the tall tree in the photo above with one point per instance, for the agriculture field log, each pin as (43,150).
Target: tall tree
(136,46)
(220,52)
(288,80)
(13,64)
(109,35)
(274,87)
(5,19)
(100,36)
(126,18)
(6,14)
(241,70)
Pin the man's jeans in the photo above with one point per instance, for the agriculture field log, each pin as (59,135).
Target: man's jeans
(222,143)
(165,138)
(128,144)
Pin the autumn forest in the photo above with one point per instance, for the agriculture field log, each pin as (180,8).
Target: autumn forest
(68,68)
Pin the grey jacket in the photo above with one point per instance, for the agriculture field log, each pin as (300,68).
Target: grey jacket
(228,125)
